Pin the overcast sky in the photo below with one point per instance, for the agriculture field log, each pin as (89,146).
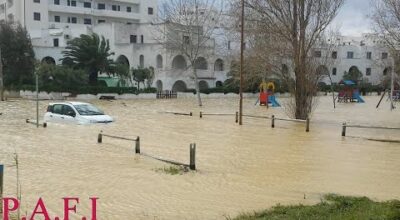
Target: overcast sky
(353,17)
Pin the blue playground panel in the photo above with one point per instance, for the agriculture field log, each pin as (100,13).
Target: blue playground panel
(273,102)
(356,95)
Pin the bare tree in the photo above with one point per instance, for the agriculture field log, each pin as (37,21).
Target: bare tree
(187,27)
(295,27)
(386,19)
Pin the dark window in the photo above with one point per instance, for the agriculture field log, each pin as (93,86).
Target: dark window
(128,9)
(101,6)
(87,21)
(36,16)
(73,3)
(36,1)
(133,39)
(57,109)
(150,11)
(186,39)
(50,108)
(317,53)
(384,56)
(101,21)
(116,8)
(57,18)
(142,39)
(87,4)
(334,70)
(334,54)
(68,110)
(229,45)
(368,72)
(57,2)
(369,55)
(72,20)
(350,55)
(55,42)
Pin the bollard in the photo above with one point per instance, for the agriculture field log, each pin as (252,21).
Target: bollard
(192,164)
(201,114)
(45,125)
(273,121)
(100,138)
(137,147)
(1,186)
(191,114)
(344,130)
(237,117)
(308,125)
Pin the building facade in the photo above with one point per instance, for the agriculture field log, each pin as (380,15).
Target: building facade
(127,24)
(366,53)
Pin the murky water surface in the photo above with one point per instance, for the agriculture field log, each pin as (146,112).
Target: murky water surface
(240,168)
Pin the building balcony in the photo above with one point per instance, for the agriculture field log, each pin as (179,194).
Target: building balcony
(116,14)
(68,9)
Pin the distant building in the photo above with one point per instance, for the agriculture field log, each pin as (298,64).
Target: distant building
(128,26)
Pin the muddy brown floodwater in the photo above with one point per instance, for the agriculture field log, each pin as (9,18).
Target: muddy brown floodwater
(240,169)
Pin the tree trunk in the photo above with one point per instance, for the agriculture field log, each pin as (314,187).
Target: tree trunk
(93,76)
(196,82)
(1,80)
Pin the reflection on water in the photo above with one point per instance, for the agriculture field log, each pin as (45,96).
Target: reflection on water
(240,168)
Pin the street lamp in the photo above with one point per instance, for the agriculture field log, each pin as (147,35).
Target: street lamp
(241,66)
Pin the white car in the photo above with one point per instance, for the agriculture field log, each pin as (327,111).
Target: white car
(75,113)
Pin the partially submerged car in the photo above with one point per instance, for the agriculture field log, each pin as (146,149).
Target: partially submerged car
(75,113)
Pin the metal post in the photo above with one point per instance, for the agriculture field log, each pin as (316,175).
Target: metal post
(100,138)
(201,115)
(391,91)
(1,186)
(191,114)
(273,121)
(37,100)
(344,130)
(308,125)
(237,117)
(137,146)
(192,164)
(241,66)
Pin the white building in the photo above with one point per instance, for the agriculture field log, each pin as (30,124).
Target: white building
(365,53)
(126,23)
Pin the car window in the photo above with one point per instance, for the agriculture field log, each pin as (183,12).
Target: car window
(57,109)
(87,109)
(50,108)
(66,109)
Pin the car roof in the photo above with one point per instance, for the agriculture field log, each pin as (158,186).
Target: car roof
(71,103)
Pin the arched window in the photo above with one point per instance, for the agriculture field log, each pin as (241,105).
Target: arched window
(141,61)
(179,86)
(159,85)
(219,65)
(49,60)
(159,62)
(179,62)
(201,63)
(123,60)
(203,85)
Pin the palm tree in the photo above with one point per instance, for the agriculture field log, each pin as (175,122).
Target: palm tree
(89,52)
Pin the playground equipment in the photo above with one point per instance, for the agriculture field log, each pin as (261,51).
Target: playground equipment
(349,93)
(267,95)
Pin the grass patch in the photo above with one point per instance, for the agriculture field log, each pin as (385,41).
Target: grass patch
(333,207)
(173,170)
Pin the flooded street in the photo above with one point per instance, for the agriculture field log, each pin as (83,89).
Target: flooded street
(240,169)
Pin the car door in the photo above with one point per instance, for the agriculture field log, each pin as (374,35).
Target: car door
(56,114)
(68,115)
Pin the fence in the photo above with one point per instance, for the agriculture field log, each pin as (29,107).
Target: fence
(345,126)
(192,158)
(178,113)
(307,121)
(34,123)
(167,94)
